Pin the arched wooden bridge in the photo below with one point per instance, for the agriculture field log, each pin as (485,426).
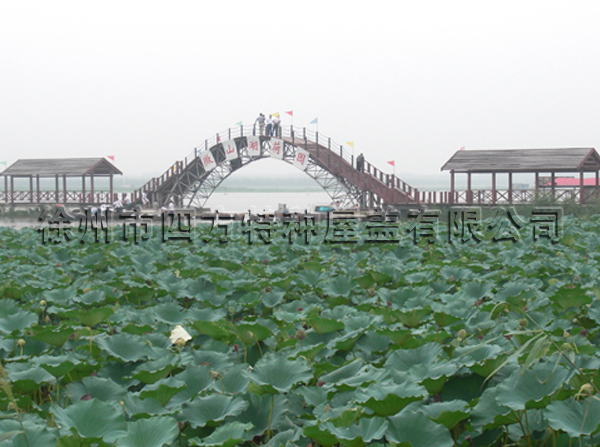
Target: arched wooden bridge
(191,182)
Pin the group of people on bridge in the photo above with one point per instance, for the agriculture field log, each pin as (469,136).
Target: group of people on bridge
(272,123)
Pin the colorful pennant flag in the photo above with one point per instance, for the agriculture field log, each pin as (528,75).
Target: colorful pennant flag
(111,157)
(291,113)
(239,123)
(276,114)
(462,148)
(393,163)
(350,143)
(315,121)
(3,163)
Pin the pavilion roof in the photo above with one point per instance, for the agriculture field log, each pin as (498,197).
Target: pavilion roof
(50,167)
(524,160)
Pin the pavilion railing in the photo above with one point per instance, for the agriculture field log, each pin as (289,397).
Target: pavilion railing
(59,197)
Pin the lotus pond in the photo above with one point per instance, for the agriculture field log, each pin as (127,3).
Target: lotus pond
(424,345)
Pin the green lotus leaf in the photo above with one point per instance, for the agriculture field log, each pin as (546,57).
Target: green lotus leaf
(259,412)
(152,432)
(576,418)
(530,388)
(97,387)
(127,347)
(325,325)
(163,390)
(251,333)
(17,322)
(91,297)
(341,285)
(58,365)
(53,336)
(134,406)
(278,374)
(150,372)
(227,435)
(322,436)
(447,413)
(272,299)
(345,372)
(170,313)
(416,429)
(488,413)
(26,377)
(387,399)
(219,330)
(91,419)
(357,435)
(213,408)
(90,317)
(422,362)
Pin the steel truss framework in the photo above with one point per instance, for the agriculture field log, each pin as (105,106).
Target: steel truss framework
(195,185)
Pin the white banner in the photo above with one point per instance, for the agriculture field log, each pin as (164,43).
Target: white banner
(230,149)
(301,159)
(253,146)
(277,148)
(208,161)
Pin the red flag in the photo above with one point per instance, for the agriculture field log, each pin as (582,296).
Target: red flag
(291,113)
(393,163)
(111,157)
(462,148)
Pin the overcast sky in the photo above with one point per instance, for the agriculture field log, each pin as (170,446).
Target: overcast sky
(410,81)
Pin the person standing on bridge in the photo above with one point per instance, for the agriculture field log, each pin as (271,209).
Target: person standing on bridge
(360,162)
(261,123)
(276,122)
(270,126)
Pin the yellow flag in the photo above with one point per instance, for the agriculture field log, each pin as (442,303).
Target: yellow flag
(350,143)
(276,114)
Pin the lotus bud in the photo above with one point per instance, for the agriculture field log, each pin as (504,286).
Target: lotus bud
(566,334)
(451,279)
(300,334)
(566,347)
(43,303)
(214,374)
(586,389)
(47,319)
(523,322)
(462,334)
(21,342)
(371,292)
(326,408)
(231,310)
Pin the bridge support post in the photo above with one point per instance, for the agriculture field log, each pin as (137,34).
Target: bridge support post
(451,187)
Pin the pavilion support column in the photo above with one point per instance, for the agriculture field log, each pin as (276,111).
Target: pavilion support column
(83,189)
(552,185)
(510,187)
(581,188)
(92,187)
(111,189)
(65,188)
(451,187)
(5,189)
(37,187)
(31,189)
(597,182)
(12,189)
(537,184)
(57,189)
(493,188)
(469,191)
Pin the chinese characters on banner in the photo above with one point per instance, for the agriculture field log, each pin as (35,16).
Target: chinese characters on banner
(340,227)
(208,161)
(230,149)
(301,159)
(277,148)
(253,146)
